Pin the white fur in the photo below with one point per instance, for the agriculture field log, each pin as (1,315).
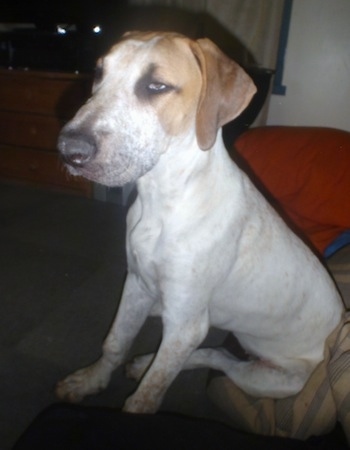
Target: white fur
(204,248)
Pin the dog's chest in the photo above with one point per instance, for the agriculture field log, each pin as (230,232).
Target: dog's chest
(143,251)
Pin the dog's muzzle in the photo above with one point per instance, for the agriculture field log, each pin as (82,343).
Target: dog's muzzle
(76,148)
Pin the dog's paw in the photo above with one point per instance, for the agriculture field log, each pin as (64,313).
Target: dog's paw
(81,383)
(137,405)
(136,368)
(69,390)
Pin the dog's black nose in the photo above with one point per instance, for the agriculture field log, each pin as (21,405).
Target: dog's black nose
(77,148)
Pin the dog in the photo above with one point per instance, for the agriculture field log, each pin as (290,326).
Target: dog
(204,248)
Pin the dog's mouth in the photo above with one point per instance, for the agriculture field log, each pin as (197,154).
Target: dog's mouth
(79,152)
(101,175)
(110,173)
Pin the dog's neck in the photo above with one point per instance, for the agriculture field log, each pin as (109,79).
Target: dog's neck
(180,174)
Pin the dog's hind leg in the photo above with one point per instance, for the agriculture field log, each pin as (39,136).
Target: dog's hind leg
(136,368)
(256,377)
(203,358)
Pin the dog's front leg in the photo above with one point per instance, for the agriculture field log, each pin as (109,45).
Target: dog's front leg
(181,336)
(134,308)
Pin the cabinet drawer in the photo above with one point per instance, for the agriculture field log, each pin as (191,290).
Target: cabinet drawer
(43,93)
(39,168)
(29,130)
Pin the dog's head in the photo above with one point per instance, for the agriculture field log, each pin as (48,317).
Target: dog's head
(152,91)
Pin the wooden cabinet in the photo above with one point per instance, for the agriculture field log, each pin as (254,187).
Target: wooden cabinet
(33,108)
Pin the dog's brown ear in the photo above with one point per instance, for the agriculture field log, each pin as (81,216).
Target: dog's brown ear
(226,91)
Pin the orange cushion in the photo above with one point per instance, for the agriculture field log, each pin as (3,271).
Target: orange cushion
(307,171)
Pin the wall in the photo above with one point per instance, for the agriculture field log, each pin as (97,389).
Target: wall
(317,67)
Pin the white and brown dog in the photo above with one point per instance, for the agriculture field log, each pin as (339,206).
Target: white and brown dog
(204,248)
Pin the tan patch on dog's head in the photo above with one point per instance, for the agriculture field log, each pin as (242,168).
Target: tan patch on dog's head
(186,77)
(171,82)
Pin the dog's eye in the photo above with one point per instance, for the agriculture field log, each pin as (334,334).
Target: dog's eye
(151,86)
(158,88)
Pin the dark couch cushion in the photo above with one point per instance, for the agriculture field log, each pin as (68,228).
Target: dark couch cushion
(306,170)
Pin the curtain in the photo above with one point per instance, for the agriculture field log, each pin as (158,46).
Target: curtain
(190,5)
(256,23)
